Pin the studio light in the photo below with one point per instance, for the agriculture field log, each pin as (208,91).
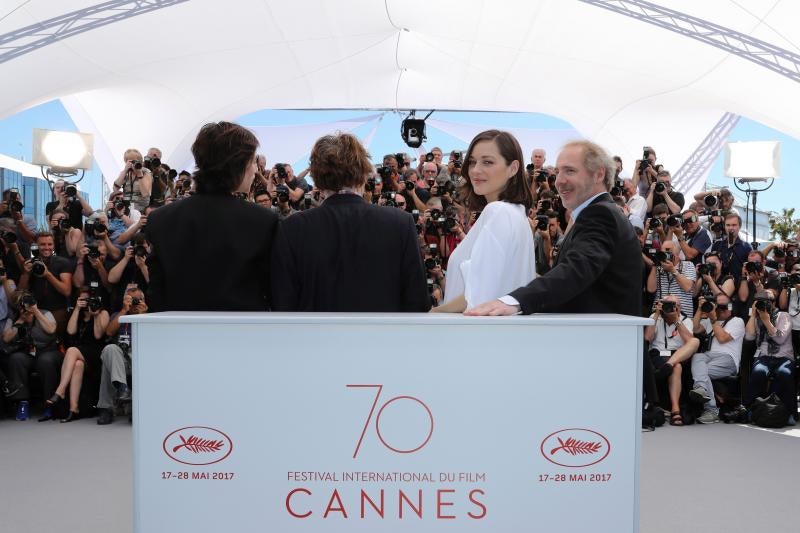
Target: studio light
(62,150)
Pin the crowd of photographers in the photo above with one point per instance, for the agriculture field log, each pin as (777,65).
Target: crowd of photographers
(726,334)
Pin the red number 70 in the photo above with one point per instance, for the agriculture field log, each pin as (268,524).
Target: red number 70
(378,420)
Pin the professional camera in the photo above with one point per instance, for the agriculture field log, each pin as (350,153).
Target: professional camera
(655,223)
(663,257)
(541,176)
(529,167)
(307,198)
(64,224)
(137,165)
(436,214)
(370,185)
(94,251)
(763,304)
(668,307)
(410,185)
(545,205)
(388,198)
(753,268)
(706,269)
(429,157)
(645,162)
(71,192)
(280,168)
(8,236)
(660,187)
(401,160)
(617,192)
(542,222)
(282,192)
(94,302)
(14,203)
(448,187)
(36,262)
(711,201)
(415,215)
(384,172)
(22,332)
(449,223)
(431,263)
(27,302)
(152,163)
(707,306)
(135,302)
(673,221)
(93,227)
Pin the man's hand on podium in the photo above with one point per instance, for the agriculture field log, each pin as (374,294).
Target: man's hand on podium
(493,308)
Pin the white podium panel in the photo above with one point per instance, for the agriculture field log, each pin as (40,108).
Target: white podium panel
(323,422)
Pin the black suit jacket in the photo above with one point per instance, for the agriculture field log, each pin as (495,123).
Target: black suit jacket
(210,253)
(598,268)
(348,255)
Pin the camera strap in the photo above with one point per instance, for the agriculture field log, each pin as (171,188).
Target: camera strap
(794,295)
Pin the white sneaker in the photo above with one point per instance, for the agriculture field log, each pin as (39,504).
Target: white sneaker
(710,415)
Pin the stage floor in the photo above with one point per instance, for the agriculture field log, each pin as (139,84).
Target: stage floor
(77,478)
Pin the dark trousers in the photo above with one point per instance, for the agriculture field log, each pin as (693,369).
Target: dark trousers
(46,364)
(781,370)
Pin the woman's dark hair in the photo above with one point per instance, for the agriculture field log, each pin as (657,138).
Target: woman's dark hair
(339,161)
(222,151)
(517,191)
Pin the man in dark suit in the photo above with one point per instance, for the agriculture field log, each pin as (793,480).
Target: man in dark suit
(211,251)
(598,268)
(347,255)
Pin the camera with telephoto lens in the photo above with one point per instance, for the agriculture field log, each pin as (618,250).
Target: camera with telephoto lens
(409,185)
(673,221)
(655,223)
(37,264)
(431,263)
(280,168)
(429,157)
(92,227)
(94,302)
(705,269)
(617,192)
(282,192)
(14,203)
(135,302)
(529,168)
(123,205)
(64,224)
(711,201)
(384,172)
(753,267)
(307,197)
(660,187)
(94,251)
(707,306)
(8,236)
(663,257)
(668,307)
(457,163)
(152,163)
(370,185)
(449,224)
(542,222)
(71,192)
(26,302)
(388,198)
(401,160)
(448,187)
(545,205)
(541,176)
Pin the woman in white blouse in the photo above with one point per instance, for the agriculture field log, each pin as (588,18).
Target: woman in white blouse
(497,255)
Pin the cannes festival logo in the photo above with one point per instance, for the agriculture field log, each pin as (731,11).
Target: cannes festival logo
(575,448)
(198,445)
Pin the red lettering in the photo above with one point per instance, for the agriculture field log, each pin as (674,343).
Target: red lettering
(416,510)
(477,503)
(440,504)
(329,509)
(364,496)
(289,507)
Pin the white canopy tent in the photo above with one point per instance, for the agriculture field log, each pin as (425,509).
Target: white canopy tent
(151,72)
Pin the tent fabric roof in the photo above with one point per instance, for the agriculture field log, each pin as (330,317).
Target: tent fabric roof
(153,79)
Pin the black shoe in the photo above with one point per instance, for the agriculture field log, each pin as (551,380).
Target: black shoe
(105,417)
(54,400)
(664,372)
(10,389)
(73,415)
(123,393)
(47,414)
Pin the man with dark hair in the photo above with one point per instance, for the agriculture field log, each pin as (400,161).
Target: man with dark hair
(661,192)
(731,249)
(693,239)
(49,278)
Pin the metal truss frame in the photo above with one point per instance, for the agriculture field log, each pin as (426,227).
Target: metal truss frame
(699,163)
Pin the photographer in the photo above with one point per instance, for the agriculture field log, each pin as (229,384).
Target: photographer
(546,232)
(135,180)
(415,191)
(32,346)
(49,278)
(672,276)
(67,238)
(121,215)
(287,183)
(790,301)
(732,250)
(454,167)
(95,230)
(723,355)
(717,200)
(373,188)
(774,357)
(282,202)
(10,250)
(86,329)
(693,240)
(645,171)
(784,255)
(672,343)
(93,266)
(637,206)
(69,199)
(754,278)
(135,229)
(710,279)
(661,192)
(24,225)
(116,357)
(132,269)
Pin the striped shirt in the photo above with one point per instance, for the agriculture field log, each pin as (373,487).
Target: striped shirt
(667,285)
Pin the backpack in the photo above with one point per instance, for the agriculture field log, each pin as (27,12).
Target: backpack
(769,412)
